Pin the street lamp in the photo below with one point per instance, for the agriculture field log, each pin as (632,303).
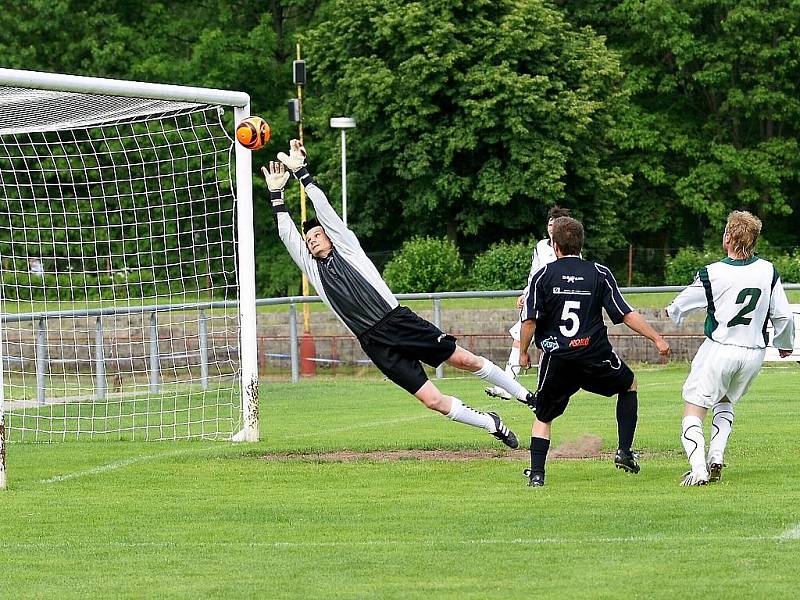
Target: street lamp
(343,124)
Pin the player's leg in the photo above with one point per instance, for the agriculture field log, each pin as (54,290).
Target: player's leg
(485,369)
(609,376)
(721,426)
(512,365)
(408,373)
(747,368)
(456,410)
(693,442)
(705,386)
(540,444)
(553,390)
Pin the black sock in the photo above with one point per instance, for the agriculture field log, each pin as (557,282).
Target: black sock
(627,410)
(539,447)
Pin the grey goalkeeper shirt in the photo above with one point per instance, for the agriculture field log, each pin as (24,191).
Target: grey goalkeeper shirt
(346,279)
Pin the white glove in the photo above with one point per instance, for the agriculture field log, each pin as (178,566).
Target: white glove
(296,159)
(276,175)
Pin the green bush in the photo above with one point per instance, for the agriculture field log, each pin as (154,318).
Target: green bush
(426,265)
(788,266)
(502,267)
(681,269)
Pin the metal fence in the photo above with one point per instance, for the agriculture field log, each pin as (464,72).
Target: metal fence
(200,357)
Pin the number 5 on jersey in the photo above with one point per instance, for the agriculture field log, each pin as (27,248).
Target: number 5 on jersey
(568,316)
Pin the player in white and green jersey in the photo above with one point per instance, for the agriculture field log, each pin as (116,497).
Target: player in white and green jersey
(740,294)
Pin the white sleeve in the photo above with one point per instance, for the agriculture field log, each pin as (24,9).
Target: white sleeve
(780,314)
(335,228)
(536,264)
(293,241)
(691,298)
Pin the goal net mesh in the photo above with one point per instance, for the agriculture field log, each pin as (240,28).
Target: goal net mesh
(118,268)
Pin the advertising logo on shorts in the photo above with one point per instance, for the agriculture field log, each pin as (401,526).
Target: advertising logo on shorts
(550,344)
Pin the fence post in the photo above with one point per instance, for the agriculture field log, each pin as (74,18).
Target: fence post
(437,320)
(295,360)
(203,350)
(41,359)
(99,360)
(154,366)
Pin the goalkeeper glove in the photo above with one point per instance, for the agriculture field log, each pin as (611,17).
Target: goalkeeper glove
(276,176)
(295,161)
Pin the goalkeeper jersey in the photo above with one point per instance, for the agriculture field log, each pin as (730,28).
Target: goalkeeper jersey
(739,296)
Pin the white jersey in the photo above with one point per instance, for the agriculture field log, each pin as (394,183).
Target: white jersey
(543,254)
(739,297)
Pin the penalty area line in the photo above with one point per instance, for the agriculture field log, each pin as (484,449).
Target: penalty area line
(793,533)
(120,464)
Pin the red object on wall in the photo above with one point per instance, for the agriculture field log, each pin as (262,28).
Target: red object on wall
(307,353)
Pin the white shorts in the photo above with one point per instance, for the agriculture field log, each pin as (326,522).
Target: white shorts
(720,370)
(516,330)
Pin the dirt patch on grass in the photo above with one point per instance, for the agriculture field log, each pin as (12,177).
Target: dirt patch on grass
(587,446)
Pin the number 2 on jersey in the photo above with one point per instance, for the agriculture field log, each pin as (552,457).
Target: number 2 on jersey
(568,316)
(740,319)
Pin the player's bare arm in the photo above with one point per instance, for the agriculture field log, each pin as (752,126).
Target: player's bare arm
(639,324)
(525,338)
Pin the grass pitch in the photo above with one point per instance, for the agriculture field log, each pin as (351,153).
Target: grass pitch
(212,519)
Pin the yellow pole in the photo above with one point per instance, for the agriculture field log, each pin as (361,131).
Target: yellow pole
(306,326)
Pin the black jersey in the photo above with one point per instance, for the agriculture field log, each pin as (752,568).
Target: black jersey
(566,298)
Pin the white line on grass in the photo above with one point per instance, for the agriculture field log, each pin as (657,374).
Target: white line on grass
(401,543)
(119,465)
(793,533)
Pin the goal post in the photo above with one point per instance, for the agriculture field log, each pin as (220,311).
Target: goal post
(127,279)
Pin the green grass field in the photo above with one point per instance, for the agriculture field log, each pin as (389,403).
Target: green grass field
(213,519)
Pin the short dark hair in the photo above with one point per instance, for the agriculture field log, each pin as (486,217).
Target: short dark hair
(568,234)
(557,211)
(310,224)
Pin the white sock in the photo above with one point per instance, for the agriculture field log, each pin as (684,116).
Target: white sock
(469,416)
(721,426)
(491,372)
(694,443)
(512,366)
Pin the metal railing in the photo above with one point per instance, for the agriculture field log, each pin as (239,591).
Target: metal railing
(43,360)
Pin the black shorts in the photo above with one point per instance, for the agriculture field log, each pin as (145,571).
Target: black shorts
(559,378)
(399,341)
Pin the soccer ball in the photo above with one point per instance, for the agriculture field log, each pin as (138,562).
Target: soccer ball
(253,133)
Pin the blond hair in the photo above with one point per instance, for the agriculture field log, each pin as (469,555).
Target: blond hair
(743,229)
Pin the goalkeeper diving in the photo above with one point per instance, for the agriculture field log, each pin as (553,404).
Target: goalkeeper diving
(395,338)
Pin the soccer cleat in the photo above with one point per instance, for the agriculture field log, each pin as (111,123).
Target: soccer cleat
(626,460)
(497,392)
(530,401)
(534,479)
(715,472)
(692,478)
(503,433)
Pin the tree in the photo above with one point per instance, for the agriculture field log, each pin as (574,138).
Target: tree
(715,109)
(473,116)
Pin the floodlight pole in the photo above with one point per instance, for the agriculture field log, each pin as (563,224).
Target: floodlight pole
(306,315)
(343,124)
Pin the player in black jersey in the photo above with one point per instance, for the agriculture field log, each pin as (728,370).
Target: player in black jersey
(564,311)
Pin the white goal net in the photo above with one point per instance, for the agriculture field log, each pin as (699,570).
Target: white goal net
(125,264)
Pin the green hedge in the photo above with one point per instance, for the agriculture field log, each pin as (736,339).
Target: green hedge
(502,267)
(681,269)
(426,264)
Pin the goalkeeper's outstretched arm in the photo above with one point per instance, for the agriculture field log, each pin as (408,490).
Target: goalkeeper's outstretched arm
(341,237)
(277,176)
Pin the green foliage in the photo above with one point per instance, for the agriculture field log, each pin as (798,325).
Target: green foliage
(502,267)
(682,268)
(425,264)
(788,267)
(468,112)
(715,112)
